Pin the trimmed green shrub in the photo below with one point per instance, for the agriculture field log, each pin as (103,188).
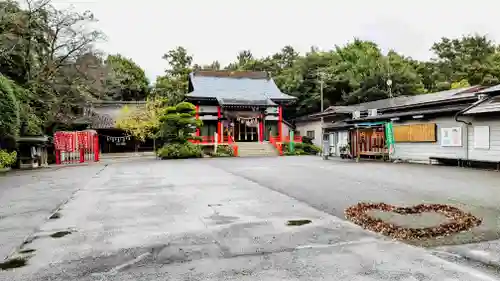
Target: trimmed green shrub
(7,159)
(311,149)
(224,151)
(301,149)
(307,140)
(180,151)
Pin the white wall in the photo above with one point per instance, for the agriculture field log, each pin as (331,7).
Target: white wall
(420,152)
(208,109)
(286,129)
(485,154)
(315,126)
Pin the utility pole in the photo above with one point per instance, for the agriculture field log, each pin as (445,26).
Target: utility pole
(321,86)
(321,91)
(389,85)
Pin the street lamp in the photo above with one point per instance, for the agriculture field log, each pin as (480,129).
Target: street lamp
(389,84)
(325,143)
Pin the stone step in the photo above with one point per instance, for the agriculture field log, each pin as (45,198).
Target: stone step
(249,149)
(258,148)
(246,153)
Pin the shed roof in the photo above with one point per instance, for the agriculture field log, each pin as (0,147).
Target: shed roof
(448,109)
(404,101)
(242,87)
(492,105)
(103,115)
(490,90)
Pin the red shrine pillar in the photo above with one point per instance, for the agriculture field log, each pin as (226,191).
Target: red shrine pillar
(96,148)
(197,118)
(219,125)
(261,128)
(280,123)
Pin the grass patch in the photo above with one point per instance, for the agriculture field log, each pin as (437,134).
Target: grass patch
(13,263)
(60,234)
(298,222)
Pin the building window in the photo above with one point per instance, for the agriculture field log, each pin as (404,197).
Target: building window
(310,134)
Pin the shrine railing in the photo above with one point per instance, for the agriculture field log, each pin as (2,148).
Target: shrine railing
(233,145)
(275,141)
(204,140)
(210,140)
(295,139)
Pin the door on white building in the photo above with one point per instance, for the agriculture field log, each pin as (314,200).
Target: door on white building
(332,140)
(342,140)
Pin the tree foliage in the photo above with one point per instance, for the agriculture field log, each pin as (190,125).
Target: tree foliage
(142,123)
(174,84)
(126,80)
(51,68)
(355,72)
(9,109)
(178,123)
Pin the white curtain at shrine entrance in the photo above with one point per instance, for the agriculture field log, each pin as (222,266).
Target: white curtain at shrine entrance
(244,125)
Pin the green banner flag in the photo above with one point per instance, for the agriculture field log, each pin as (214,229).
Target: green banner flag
(389,137)
(292,143)
(389,134)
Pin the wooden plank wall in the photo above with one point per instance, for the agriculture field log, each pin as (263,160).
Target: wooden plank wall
(415,133)
(374,141)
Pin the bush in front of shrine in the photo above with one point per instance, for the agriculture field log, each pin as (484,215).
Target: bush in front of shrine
(301,149)
(224,151)
(180,151)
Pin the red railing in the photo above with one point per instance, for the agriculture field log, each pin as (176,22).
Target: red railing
(233,145)
(275,142)
(295,139)
(278,144)
(204,140)
(210,140)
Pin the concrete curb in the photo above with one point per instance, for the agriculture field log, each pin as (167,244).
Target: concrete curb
(478,256)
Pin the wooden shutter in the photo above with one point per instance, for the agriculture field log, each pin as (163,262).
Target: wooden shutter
(415,133)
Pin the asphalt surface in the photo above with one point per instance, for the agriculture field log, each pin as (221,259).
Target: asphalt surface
(226,219)
(332,186)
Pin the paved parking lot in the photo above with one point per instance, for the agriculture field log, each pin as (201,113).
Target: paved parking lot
(27,199)
(332,186)
(226,219)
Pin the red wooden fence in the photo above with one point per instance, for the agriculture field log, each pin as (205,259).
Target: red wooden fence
(76,147)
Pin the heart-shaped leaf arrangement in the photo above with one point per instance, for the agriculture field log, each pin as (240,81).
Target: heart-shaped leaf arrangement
(458,220)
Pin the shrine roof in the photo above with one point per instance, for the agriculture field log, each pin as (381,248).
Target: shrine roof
(239,87)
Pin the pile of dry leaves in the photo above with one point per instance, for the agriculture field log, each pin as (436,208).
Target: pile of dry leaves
(459,220)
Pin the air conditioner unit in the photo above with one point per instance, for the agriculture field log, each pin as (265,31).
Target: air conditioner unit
(372,112)
(482,96)
(356,114)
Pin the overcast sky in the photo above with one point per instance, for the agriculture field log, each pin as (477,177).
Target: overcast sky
(217,29)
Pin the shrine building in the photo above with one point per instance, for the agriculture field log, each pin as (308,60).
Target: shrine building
(242,105)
